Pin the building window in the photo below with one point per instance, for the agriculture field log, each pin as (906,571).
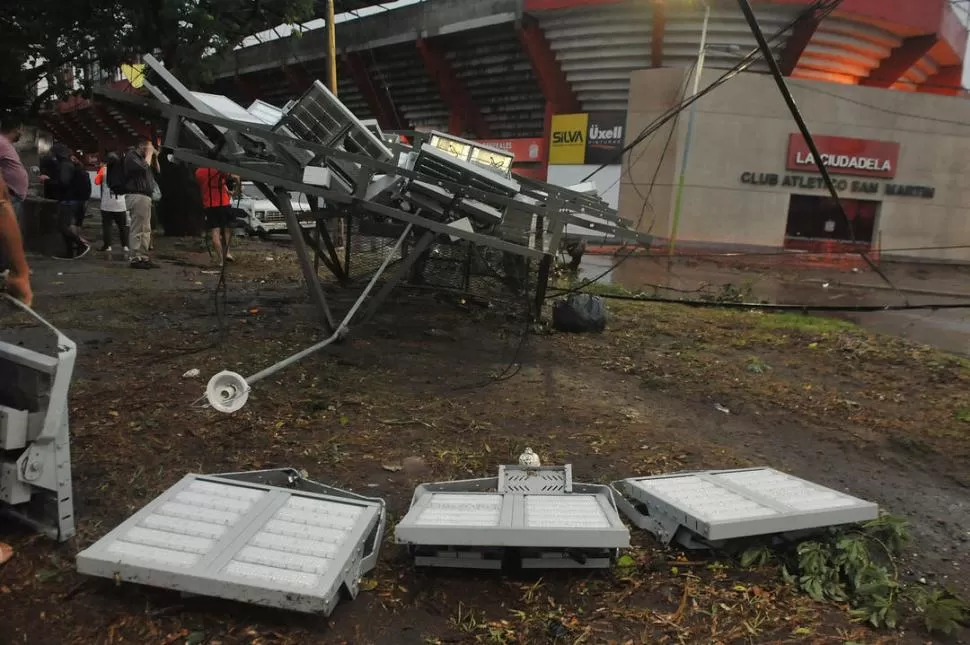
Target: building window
(815,224)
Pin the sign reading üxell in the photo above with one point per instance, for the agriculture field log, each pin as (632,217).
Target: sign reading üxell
(845,156)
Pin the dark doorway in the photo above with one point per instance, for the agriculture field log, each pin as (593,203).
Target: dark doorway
(815,224)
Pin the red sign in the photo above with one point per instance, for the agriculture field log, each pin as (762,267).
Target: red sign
(524,150)
(844,156)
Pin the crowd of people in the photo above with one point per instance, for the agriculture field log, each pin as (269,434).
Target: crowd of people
(128,189)
(129,192)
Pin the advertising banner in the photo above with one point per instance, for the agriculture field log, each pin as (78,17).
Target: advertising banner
(604,137)
(845,156)
(589,138)
(525,150)
(567,146)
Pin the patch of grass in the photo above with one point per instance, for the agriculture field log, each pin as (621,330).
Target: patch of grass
(963,414)
(756,366)
(803,322)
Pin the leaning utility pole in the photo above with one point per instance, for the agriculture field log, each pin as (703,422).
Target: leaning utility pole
(331,48)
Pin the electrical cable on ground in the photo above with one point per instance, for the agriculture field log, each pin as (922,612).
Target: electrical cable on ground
(817,11)
(806,133)
(714,304)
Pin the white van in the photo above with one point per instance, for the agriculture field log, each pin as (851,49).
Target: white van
(262,217)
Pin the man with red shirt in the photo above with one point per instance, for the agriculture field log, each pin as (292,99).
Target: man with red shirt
(214,186)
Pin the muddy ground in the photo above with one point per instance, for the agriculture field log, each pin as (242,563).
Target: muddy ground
(872,415)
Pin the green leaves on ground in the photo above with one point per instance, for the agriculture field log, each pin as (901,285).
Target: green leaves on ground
(857,566)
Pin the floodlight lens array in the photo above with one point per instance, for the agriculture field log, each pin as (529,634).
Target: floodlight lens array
(447,509)
(180,532)
(564,512)
(298,544)
(705,500)
(790,491)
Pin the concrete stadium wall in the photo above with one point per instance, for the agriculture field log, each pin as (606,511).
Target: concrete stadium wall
(744,126)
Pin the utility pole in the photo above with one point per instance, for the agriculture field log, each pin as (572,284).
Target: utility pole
(331,48)
(699,69)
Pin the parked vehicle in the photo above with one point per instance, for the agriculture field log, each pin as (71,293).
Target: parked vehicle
(262,216)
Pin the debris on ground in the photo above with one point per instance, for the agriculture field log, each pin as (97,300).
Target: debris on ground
(579,313)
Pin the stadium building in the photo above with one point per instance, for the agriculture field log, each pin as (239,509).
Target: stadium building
(565,84)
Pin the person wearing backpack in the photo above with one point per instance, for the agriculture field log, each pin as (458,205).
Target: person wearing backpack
(139,188)
(111,178)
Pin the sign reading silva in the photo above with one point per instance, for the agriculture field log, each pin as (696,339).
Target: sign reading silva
(845,156)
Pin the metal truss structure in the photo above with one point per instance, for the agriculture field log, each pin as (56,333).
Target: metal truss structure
(271,538)
(437,190)
(35,442)
(533,517)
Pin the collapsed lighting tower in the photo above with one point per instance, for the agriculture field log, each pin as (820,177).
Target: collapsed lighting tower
(440,191)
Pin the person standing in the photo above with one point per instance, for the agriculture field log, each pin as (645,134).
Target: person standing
(217,203)
(139,186)
(113,208)
(12,250)
(81,190)
(11,168)
(18,277)
(61,183)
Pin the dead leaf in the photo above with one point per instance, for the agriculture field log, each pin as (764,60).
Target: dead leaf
(368,584)
(391,469)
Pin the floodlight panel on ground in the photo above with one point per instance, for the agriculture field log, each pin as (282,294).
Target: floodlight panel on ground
(539,511)
(250,542)
(722,505)
(489,520)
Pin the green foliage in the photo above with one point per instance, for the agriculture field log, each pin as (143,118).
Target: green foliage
(43,38)
(756,556)
(942,611)
(892,531)
(741,293)
(756,366)
(858,566)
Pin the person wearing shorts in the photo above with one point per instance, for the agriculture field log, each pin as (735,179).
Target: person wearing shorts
(219,213)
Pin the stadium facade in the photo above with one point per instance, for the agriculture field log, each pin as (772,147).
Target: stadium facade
(566,83)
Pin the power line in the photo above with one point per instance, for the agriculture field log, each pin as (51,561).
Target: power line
(801,308)
(819,9)
(877,108)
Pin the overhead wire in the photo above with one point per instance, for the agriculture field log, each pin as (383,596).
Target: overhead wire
(644,206)
(755,306)
(818,10)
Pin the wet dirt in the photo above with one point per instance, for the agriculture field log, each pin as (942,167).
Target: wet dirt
(417,386)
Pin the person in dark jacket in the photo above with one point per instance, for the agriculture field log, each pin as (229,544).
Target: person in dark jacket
(80,191)
(139,186)
(62,183)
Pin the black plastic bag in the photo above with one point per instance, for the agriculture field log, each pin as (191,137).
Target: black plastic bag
(579,313)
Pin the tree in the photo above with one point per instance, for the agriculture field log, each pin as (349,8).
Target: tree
(59,44)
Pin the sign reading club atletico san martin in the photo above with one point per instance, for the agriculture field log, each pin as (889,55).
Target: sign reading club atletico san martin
(845,156)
